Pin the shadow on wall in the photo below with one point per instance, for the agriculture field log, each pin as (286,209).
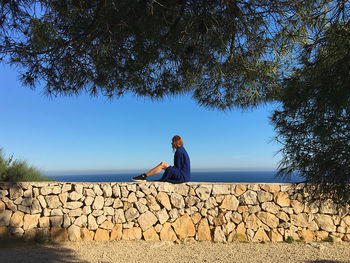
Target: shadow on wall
(33,249)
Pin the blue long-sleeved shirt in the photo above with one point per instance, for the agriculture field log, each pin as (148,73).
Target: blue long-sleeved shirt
(182,166)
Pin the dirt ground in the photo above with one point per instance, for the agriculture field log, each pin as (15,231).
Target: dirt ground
(142,251)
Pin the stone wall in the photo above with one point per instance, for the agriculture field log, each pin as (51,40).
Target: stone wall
(168,212)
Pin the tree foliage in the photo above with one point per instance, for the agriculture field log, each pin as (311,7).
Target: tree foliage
(224,53)
(314,122)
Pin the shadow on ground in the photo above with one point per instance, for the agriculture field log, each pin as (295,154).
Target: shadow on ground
(33,248)
(50,253)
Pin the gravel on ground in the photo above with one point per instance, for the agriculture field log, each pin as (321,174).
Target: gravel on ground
(142,251)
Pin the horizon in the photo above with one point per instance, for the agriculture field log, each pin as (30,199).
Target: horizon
(115,172)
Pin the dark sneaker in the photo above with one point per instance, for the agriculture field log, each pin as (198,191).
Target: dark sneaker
(140,178)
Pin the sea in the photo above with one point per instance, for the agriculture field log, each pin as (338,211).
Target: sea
(212,176)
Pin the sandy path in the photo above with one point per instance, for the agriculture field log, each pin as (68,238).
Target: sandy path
(141,251)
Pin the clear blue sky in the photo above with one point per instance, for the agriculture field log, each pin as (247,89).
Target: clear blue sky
(84,133)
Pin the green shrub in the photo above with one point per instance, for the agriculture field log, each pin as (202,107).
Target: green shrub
(290,239)
(18,171)
(328,239)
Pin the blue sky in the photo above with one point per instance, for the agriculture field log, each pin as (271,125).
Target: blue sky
(95,134)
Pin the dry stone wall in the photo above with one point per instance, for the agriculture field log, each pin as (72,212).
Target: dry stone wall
(168,212)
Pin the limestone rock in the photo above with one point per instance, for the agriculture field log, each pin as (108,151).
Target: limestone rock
(203,191)
(18,201)
(131,214)
(249,198)
(74,233)
(196,218)
(117,232)
(107,225)
(282,199)
(66,188)
(177,200)
(46,190)
(107,190)
(150,235)
(307,235)
(164,187)
(92,225)
(66,221)
(116,191)
(42,201)
(162,216)
(272,188)
(268,219)
(283,216)
(163,198)
(203,233)
(260,236)
(87,210)
(152,203)
(325,222)
(89,200)
(58,234)
(30,221)
(252,222)
(86,235)
(119,216)
(81,221)
(57,212)
(147,220)
(44,222)
(299,220)
(133,233)
(74,196)
(15,191)
(132,198)
(219,220)
(28,193)
(98,202)
(108,211)
(35,208)
(184,227)
(167,233)
(3,193)
(141,207)
(97,189)
(17,219)
(240,189)
(230,202)
(211,203)
(297,206)
(221,189)
(101,235)
(264,196)
(140,194)
(56,220)
(52,201)
(252,209)
(73,205)
(219,235)
(101,219)
(2,206)
(328,207)
(275,236)
(117,203)
(236,217)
